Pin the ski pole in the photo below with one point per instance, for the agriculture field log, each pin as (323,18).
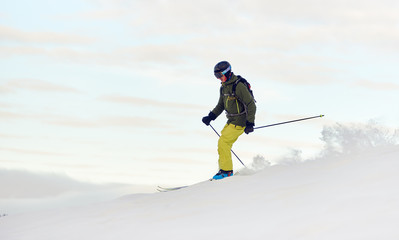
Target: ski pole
(230,149)
(297,120)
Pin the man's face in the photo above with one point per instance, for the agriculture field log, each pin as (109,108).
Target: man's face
(223,78)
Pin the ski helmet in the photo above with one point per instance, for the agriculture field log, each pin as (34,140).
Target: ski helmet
(222,68)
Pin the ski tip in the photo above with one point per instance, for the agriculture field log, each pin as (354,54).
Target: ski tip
(322,115)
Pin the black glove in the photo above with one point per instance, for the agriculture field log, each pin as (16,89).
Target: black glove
(249,127)
(207,119)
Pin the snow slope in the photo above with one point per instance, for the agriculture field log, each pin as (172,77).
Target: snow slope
(350,193)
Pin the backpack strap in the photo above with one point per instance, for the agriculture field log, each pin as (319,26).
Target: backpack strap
(239,79)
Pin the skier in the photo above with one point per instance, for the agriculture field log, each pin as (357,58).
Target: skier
(239,104)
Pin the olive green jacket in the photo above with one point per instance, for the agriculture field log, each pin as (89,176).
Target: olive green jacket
(234,105)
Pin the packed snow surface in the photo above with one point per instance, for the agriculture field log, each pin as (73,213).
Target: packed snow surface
(350,191)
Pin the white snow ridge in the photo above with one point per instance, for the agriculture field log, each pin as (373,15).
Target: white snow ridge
(350,191)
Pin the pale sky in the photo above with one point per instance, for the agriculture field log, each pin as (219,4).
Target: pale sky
(114,91)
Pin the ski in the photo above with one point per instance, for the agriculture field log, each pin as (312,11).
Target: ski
(169,189)
(165,189)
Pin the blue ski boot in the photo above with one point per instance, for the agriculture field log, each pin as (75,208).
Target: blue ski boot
(222,174)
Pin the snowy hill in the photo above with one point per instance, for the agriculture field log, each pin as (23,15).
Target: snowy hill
(339,195)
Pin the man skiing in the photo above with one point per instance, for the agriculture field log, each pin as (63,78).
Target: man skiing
(239,104)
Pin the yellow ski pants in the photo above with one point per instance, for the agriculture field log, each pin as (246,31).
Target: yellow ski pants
(230,134)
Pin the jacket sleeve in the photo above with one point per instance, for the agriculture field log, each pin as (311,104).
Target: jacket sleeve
(246,98)
(219,107)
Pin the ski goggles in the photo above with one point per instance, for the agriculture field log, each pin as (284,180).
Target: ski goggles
(220,74)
